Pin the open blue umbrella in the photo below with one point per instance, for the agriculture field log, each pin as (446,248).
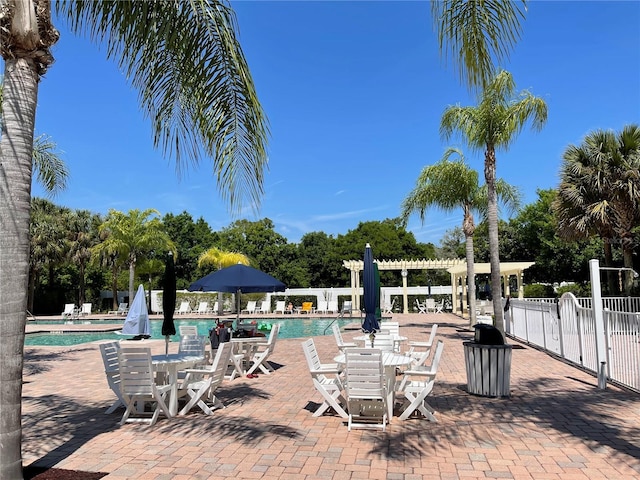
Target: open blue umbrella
(371,296)
(238,279)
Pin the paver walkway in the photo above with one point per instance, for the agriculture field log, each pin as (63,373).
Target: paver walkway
(556,425)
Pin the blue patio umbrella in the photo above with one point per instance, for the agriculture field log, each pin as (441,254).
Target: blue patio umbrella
(238,279)
(371,295)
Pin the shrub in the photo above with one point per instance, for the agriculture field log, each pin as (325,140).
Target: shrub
(538,290)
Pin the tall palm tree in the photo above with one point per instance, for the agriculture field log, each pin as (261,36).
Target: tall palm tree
(599,192)
(478,34)
(450,185)
(82,236)
(489,126)
(193,83)
(133,236)
(219,259)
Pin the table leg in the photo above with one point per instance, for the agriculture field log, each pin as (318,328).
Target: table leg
(390,374)
(173,398)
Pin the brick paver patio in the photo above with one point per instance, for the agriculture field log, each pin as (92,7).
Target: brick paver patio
(556,424)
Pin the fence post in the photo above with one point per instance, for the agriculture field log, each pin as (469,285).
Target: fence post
(596,305)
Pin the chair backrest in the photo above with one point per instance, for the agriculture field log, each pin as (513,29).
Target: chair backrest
(279,306)
(109,353)
(220,362)
(382,342)
(69,307)
(86,309)
(430,303)
(364,372)
(188,330)
(346,306)
(338,335)
(192,345)
(311,354)
(122,307)
(251,306)
(307,306)
(215,307)
(184,307)
(392,327)
(332,306)
(322,306)
(136,371)
(432,335)
(273,336)
(265,306)
(203,307)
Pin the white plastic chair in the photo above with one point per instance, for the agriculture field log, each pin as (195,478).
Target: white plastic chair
(86,309)
(365,388)
(430,305)
(420,350)
(323,306)
(326,380)
(203,308)
(422,308)
(69,311)
(417,383)
(200,384)
(388,307)
(122,309)
(279,307)
(184,308)
(332,306)
(187,330)
(265,307)
(251,307)
(109,353)
(263,351)
(138,387)
(339,340)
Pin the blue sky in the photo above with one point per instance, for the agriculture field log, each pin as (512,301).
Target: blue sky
(354,92)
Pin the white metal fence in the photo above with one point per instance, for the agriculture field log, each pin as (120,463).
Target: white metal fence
(567,328)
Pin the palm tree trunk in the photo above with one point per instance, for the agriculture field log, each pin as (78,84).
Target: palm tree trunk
(114,286)
(81,284)
(608,262)
(471,280)
(16,145)
(494,244)
(627,256)
(132,273)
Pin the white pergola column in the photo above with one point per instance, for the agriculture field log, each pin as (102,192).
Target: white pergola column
(405,298)
(520,280)
(505,282)
(454,293)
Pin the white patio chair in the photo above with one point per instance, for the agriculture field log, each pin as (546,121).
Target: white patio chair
(347,308)
(263,351)
(279,307)
(69,311)
(326,380)
(388,307)
(203,308)
(440,306)
(422,308)
(185,330)
(138,387)
(214,310)
(365,388)
(339,340)
(192,345)
(85,310)
(420,350)
(417,383)
(200,384)
(109,353)
(251,307)
(323,306)
(382,342)
(184,308)
(332,306)
(265,307)
(392,327)
(430,305)
(123,309)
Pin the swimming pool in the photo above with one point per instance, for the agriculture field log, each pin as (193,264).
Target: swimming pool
(290,328)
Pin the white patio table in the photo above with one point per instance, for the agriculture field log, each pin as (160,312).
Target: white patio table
(172,364)
(390,361)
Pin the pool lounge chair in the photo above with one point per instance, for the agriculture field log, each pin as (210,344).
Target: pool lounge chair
(203,308)
(265,307)
(185,308)
(70,311)
(279,307)
(122,309)
(85,310)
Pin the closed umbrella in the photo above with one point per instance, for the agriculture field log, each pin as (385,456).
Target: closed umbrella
(371,296)
(168,300)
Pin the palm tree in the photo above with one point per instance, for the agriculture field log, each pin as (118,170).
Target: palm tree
(449,185)
(478,34)
(193,83)
(220,259)
(599,192)
(489,126)
(82,237)
(133,236)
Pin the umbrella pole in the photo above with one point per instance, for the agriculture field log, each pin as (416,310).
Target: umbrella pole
(166,345)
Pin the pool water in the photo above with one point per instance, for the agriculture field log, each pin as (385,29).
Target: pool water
(290,328)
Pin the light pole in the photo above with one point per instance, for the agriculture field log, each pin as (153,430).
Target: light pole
(405,299)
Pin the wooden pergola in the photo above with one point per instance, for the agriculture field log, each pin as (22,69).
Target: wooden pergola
(456,267)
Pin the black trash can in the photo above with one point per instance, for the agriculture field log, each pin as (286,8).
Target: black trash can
(488,363)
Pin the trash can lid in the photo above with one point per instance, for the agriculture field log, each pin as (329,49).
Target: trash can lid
(487,335)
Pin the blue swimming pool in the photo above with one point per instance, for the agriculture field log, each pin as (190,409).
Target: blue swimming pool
(290,328)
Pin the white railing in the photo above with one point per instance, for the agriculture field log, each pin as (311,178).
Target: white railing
(568,329)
